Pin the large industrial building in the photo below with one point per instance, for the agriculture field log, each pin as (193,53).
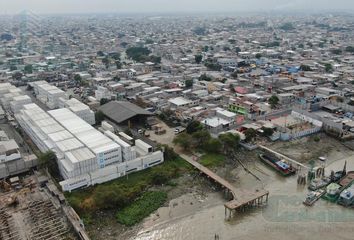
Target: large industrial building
(54,98)
(12,98)
(121,112)
(85,155)
(12,162)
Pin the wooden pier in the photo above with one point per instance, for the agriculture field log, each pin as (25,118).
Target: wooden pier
(241,199)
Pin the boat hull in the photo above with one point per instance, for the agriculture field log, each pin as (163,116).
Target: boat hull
(265,159)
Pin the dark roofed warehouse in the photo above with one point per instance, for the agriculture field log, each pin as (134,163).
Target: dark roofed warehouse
(120,112)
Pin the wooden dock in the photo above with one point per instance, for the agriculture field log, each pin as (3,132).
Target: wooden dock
(241,199)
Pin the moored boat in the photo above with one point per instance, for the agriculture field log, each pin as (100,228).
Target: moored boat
(347,179)
(318,183)
(313,196)
(280,166)
(346,197)
(332,192)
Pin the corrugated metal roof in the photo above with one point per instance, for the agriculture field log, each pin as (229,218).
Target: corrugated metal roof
(120,111)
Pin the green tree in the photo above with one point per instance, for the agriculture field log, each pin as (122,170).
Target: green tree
(103,101)
(336,51)
(250,134)
(124,44)
(198,58)
(305,68)
(213,66)
(188,83)
(201,138)
(168,153)
(17,75)
(213,146)
(13,68)
(273,101)
(77,79)
(350,49)
(206,49)
(118,64)
(237,50)
(183,140)
(258,55)
(149,41)
(267,132)
(194,126)
(229,142)
(48,160)
(155,59)
(287,26)
(199,31)
(204,77)
(138,53)
(115,56)
(28,69)
(99,117)
(106,61)
(100,53)
(328,67)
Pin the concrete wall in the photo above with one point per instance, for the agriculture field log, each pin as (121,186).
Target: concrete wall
(15,167)
(112,172)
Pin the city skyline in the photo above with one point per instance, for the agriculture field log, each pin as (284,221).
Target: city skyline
(140,6)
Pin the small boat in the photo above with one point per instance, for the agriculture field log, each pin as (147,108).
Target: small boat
(313,196)
(337,176)
(318,183)
(277,164)
(332,192)
(347,179)
(346,197)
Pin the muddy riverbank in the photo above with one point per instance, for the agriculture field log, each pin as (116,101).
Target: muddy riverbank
(284,217)
(195,209)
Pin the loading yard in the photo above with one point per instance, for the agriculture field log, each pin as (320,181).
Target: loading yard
(28,211)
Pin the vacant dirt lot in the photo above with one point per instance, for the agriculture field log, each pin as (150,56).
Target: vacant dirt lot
(306,149)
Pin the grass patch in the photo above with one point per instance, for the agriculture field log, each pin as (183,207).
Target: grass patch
(212,160)
(171,183)
(141,208)
(121,192)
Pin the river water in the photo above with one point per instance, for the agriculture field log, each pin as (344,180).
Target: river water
(285,217)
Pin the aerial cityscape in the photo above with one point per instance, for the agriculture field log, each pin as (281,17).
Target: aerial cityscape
(189,120)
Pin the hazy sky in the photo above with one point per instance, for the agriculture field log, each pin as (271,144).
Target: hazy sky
(88,6)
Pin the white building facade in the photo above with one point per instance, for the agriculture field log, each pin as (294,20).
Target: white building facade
(85,155)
